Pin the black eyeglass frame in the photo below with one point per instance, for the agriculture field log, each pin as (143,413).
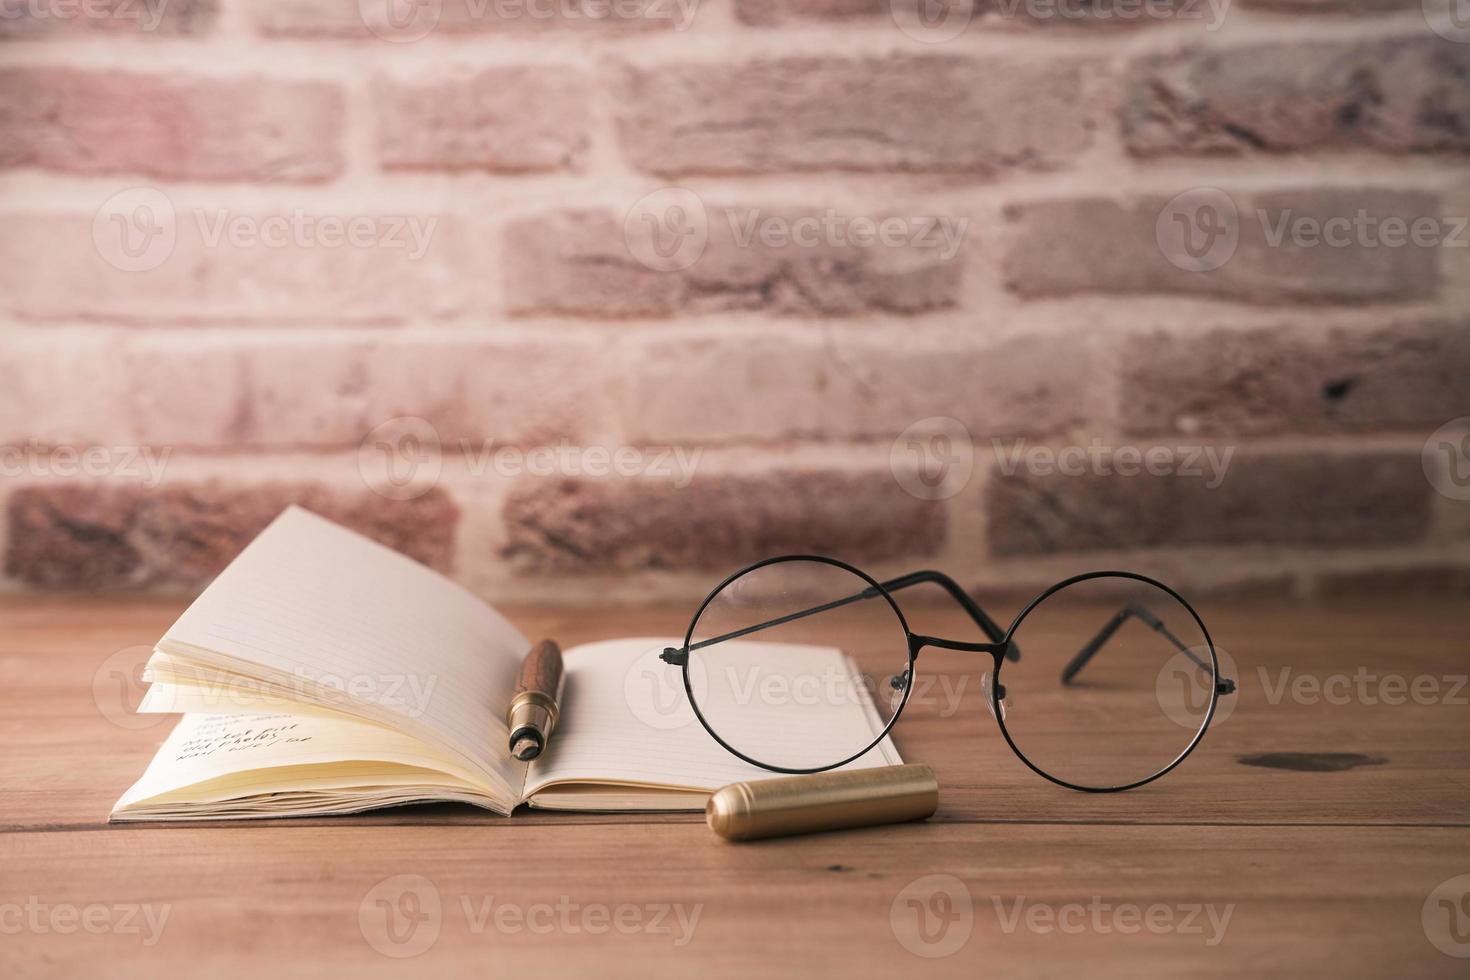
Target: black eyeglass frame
(1001,648)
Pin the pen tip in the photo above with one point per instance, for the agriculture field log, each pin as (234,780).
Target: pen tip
(525,748)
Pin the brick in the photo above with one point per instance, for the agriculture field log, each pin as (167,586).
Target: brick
(773,387)
(513,390)
(1212,587)
(1402,94)
(188,392)
(514,119)
(163,18)
(475,389)
(363,19)
(932,24)
(856,114)
(1273,380)
(1334,6)
(717,521)
(579,262)
(1418,581)
(96,536)
(266,391)
(62,389)
(1061,247)
(72,266)
(1105,14)
(585,263)
(1302,500)
(83,388)
(771,13)
(189,128)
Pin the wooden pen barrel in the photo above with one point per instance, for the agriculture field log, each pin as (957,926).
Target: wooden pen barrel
(541,670)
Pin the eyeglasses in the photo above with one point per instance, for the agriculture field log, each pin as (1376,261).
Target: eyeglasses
(758,657)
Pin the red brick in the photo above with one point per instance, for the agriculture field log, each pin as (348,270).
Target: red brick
(764,386)
(514,119)
(186,391)
(62,388)
(1331,7)
(366,18)
(1300,500)
(265,390)
(927,23)
(857,114)
(511,389)
(1062,247)
(717,521)
(582,263)
(81,388)
(260,390)
(191,128)
(1215,589)
(93,536)
(163,18)
(1399,94)
(1107,14)
(1413,582)
(770,13)
(1273,380)
(52,267)
(578,261)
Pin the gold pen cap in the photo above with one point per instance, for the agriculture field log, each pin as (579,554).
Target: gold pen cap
(822,801)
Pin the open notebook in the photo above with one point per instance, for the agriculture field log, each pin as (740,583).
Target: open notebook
(323,673)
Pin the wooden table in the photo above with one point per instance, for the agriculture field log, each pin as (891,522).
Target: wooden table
(1346,873)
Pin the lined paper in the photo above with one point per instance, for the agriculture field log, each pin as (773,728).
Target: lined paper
(321,609)
(626,719)
(258,748)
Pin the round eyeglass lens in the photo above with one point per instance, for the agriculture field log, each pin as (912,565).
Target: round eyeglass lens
(799,665)
(1114,683)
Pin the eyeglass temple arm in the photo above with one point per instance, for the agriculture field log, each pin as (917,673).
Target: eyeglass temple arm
(668,656)
(1226,686)
(986,624)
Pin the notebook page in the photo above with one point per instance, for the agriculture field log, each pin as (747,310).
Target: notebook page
(626,719)
(311,602)
(206,747)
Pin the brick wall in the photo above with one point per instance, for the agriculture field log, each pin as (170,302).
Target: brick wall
(580,299)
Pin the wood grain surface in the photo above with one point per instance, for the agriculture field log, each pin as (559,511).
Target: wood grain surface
(1226,867)
(541,670)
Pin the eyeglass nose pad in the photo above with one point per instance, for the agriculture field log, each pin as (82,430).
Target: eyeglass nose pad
(989,689)
(897,684)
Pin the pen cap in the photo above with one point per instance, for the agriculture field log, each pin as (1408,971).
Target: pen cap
(822,801)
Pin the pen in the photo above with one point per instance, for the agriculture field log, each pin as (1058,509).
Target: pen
(533,711)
